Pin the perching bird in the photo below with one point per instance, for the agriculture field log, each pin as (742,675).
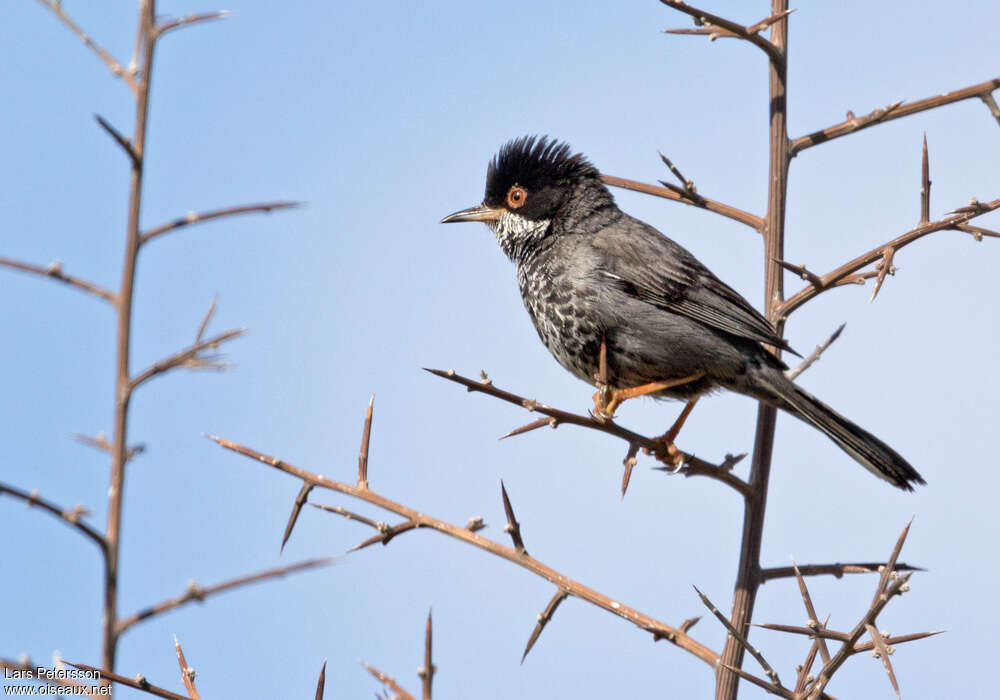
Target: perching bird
(591,275)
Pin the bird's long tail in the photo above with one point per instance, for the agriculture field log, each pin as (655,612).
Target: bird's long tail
(870,452)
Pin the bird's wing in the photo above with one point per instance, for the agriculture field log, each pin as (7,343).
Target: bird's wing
(641,262)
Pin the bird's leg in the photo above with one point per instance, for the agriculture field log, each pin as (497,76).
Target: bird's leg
(675,456)
(607,400)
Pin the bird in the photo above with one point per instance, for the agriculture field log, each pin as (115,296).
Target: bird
(627,309)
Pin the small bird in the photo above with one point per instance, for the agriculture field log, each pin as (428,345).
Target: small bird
(623,307)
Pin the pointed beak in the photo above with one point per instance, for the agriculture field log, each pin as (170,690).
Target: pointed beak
(477,213)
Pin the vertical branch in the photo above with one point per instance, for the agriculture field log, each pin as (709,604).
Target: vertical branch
(748,576)
(119,450)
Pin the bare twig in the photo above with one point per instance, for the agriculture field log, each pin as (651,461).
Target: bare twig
(70,516)
(139,682)
(187,357)
(194,592)
(815,354)
(658,629)
(187,673)
(835,570)
(146,41)
(110,61)
(100,442)
(692,466)
(192,19)
(890,584)
(991,104)
(978,232)
(715,32)
(803,272)
(897,110)
(201,217)
(687,184)
(829,280)
(55,271)
(122,141)
(744,217)
(741,638)
(389,682)
(543,619)
(775,53)
(773,231)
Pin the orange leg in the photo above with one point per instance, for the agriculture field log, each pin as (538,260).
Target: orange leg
(673,455)
(607,400)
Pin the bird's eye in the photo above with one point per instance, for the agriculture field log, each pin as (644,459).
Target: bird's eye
(516,197)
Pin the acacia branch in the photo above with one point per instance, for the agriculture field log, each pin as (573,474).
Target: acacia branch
(678,195)
(139,682)
(110,61)
(897,110)
(201,217)
(388,681)
(55,271)
(70,516)
(815,354)
(833,278)
(735,29)
(195,592)
(192,19)
(644,622)
(836,570)
(183,358)
(187,673)
(692,465)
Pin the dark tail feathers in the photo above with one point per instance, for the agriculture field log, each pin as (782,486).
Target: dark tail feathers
(870,452)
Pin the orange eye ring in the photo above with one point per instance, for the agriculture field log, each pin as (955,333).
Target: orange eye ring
(516,197)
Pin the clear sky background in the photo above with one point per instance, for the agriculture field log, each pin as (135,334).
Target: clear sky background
(382,116)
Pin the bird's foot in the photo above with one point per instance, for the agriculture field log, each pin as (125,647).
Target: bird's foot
(607,399)
(669,454)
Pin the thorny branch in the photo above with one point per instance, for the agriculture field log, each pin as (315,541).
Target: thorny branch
(201,217)
(388,681)
(836,570)
(815,354)
(110,61)
(897,110)
(189,357)
(414,519)
(677,195)
(692,465)
(189,20)
(194,592)
(884,252)
(70,516)
(55,271)
(750,33)
(139,682)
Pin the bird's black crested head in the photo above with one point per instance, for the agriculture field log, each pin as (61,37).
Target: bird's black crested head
(534,176)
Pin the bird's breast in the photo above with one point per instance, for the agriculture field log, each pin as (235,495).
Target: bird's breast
(564,316)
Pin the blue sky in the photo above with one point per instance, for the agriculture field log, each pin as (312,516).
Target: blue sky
(382,117)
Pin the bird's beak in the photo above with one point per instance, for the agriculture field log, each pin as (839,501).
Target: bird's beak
(477,213)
